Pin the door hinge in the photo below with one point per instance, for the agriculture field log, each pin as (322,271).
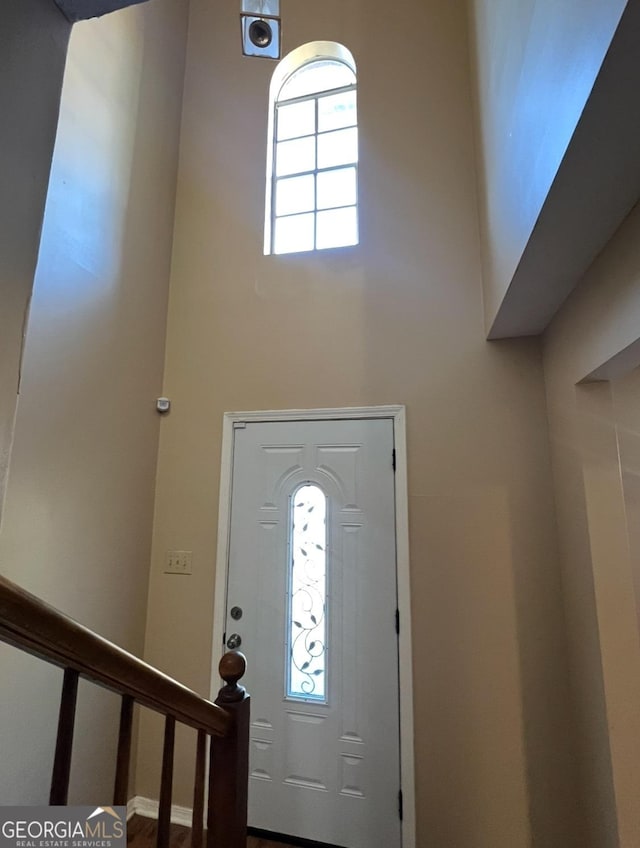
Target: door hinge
(400,804)
(397,621)
(393,459)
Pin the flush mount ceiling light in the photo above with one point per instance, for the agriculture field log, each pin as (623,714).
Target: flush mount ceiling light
(260,23)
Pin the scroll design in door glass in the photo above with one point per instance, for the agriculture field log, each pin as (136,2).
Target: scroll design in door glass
(306,625)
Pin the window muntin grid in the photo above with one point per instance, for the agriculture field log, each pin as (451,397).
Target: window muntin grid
(317,76)
(316,137)
(306,661)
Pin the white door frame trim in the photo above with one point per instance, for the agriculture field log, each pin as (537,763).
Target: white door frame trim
(398,414)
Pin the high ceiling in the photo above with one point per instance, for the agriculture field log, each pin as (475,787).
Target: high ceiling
(80,10)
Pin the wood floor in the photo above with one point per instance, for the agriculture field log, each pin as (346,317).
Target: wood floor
(141,833)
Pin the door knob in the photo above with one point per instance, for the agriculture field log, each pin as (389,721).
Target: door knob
(234,641)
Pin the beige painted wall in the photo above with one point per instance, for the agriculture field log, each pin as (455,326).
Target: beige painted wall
(536,63)
(33,46)
(626,394)
(77,523)
(594,433)
(397,319)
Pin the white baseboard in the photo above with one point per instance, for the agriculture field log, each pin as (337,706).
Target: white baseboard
(148,808)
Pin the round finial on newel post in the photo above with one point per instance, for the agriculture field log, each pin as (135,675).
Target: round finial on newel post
(232,667)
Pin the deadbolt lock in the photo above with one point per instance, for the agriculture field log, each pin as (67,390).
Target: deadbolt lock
(234,641)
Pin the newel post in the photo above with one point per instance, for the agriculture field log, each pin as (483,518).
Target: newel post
(229,762)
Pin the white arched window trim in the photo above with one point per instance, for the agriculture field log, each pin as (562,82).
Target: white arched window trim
(291,63)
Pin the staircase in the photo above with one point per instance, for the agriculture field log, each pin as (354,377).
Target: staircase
(33,626)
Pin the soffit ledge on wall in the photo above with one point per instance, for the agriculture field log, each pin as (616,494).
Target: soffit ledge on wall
(597,185)
(80,10)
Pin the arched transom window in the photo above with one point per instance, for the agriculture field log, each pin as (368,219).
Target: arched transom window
(312,191)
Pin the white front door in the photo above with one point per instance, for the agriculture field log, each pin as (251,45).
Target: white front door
(312,596)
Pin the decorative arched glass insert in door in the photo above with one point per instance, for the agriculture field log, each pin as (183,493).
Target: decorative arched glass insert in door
(307,595)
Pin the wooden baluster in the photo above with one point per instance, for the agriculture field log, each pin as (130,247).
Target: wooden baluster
(164,813)
(121,787)
(197,822)
(64,743)
(229,762)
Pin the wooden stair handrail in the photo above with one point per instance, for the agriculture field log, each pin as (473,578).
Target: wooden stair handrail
(40,629)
